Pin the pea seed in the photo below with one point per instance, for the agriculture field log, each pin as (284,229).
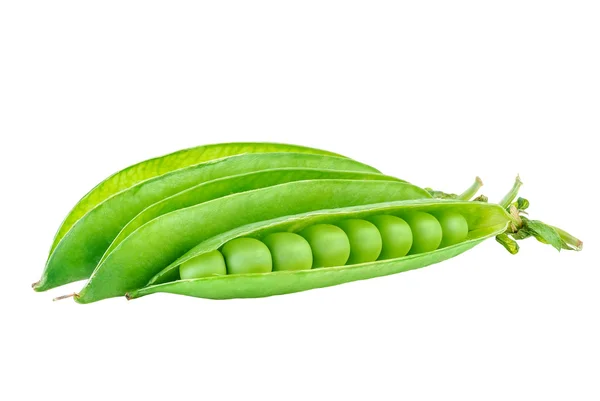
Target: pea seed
(247,255)
(365,240)
(330,245)
(207,264)
(454,228)
(426,230)
(289,251)
(396,236)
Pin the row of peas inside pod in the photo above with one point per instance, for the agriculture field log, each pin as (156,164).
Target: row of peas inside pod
(348,242)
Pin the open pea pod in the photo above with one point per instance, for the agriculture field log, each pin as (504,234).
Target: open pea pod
(147,169)
(484,221)
(82,247)
(154,245)
(234,184)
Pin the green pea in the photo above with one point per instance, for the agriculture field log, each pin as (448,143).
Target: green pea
(247,255)
(454,228)
(426,230)
(289,251)
(330,245)
(365,240)
(396,236)
(207,264)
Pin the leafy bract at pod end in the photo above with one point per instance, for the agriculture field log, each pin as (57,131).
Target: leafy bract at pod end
(522,227)
(508,243)
(521,204)
(542,232)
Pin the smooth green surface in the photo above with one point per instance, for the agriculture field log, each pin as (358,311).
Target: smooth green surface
(396,236)
(365,240)
(158,243)
(205,265)
(489,221)
(480,217)
(247,255)
(426,231)
(147,169)
(234,184)
(454,228)
(289,251)
(80,250)
(329,245)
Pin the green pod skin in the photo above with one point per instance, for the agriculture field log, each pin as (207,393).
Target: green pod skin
(330,245)
(158,243)
(234,184)
(155,167)
(289,251)
(206,265)
(454,228)
(80,250)
(426,231)
(247,255)
(396,236)
(485,220)
(365,240)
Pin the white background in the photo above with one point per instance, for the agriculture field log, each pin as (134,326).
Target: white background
(434,92)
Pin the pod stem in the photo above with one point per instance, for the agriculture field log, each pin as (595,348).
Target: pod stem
(64,297)
(512,194)
(472,190)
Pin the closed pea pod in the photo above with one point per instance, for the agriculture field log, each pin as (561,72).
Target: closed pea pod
(137,173)
(80,249)
(168,236)
(158,166)
(234,184)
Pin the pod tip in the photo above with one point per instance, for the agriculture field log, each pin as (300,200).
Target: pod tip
(64,297)
(479,180)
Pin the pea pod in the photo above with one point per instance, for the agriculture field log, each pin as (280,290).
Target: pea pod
(157,243)
(485,221)
(82,247)
(155,167)
(234,184)
(254,220)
